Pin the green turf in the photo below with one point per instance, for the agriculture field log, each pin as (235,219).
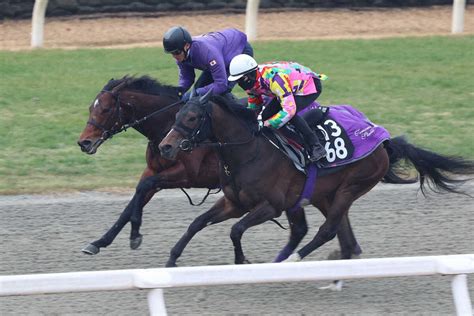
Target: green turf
(420,87)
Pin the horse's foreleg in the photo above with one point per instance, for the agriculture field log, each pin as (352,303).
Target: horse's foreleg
(299,228)
(144,191)
(218,213)
(94,247)
(150,183)
(329,228)
(259,215)
(133,212)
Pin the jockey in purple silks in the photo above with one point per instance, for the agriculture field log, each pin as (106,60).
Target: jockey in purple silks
(288,88)
(211,53)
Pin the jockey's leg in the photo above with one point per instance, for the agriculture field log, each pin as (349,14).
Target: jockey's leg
(316,151)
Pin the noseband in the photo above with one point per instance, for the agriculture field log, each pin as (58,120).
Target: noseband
(118,126)
(196,135)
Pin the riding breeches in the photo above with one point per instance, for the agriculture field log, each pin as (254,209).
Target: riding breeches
(297,121)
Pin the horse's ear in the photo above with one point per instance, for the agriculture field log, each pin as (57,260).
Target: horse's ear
(192,94)
(205,98)
(119,86)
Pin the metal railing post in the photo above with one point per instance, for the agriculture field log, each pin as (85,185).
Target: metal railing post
(462,301)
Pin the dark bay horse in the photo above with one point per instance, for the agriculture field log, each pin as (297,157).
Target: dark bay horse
(150,108)
(260,182)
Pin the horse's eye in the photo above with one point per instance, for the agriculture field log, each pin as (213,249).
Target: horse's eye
(192,119)
(106,110)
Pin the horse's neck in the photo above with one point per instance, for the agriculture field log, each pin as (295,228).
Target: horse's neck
(228,128)
(154,127)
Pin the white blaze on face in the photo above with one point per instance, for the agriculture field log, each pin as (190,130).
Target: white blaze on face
(96,103)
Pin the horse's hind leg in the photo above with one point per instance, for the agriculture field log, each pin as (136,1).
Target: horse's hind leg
(219,212)
(349,245)
(348,249)
(360,180)
(299,228)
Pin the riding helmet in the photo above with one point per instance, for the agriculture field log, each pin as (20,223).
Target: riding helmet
(241,65)
(175,39)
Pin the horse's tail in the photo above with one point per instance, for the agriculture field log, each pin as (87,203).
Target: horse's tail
(435,171)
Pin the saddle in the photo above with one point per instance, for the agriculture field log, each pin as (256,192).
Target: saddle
(291,142)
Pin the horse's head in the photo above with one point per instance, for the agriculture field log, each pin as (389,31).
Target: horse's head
(192,126)
(129,102)
(106,117)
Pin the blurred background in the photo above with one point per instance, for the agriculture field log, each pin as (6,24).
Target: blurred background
(395,60)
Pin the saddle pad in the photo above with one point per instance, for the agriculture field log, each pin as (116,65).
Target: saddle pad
(348,136)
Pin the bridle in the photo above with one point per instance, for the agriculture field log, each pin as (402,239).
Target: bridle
(197,136)
(120,125)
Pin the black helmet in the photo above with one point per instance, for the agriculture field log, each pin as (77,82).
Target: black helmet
(175,39)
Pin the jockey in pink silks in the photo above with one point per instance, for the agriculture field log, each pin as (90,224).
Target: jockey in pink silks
(285,88)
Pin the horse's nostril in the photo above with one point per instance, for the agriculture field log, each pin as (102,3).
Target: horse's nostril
(84,144)
(166,148)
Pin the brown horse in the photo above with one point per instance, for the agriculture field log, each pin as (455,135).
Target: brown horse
(150,107)
(260,181)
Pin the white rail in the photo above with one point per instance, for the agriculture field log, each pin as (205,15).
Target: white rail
(457,21)
(37,23)
(251,19)
(157,279)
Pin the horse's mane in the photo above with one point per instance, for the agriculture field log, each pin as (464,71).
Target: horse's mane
(144,84)
(237,109)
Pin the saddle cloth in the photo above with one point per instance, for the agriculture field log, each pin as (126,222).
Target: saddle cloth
(345,132)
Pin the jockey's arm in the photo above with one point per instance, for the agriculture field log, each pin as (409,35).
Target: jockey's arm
(280,86)
(186,77)
(216,66)
(255,102)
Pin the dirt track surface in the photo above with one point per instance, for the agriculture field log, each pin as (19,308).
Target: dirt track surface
(44,234)
(324,24)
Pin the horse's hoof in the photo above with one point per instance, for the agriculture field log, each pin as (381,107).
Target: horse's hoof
(171,265)
(293,258)
(91,249)
(334,255)
(136,242)
(336,286)
(246,262)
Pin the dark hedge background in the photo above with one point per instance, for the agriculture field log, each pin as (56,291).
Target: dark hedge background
(22,9)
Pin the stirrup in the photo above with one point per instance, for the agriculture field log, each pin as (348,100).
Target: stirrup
(316,154)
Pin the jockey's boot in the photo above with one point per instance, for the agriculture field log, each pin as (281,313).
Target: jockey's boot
(316,152)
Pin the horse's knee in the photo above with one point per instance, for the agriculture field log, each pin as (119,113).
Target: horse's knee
(146,185)
(299,231)
(328,232)
(236,232)
(197,225)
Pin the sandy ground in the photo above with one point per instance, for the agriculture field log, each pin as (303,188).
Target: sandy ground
(325,24)
(44,234)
